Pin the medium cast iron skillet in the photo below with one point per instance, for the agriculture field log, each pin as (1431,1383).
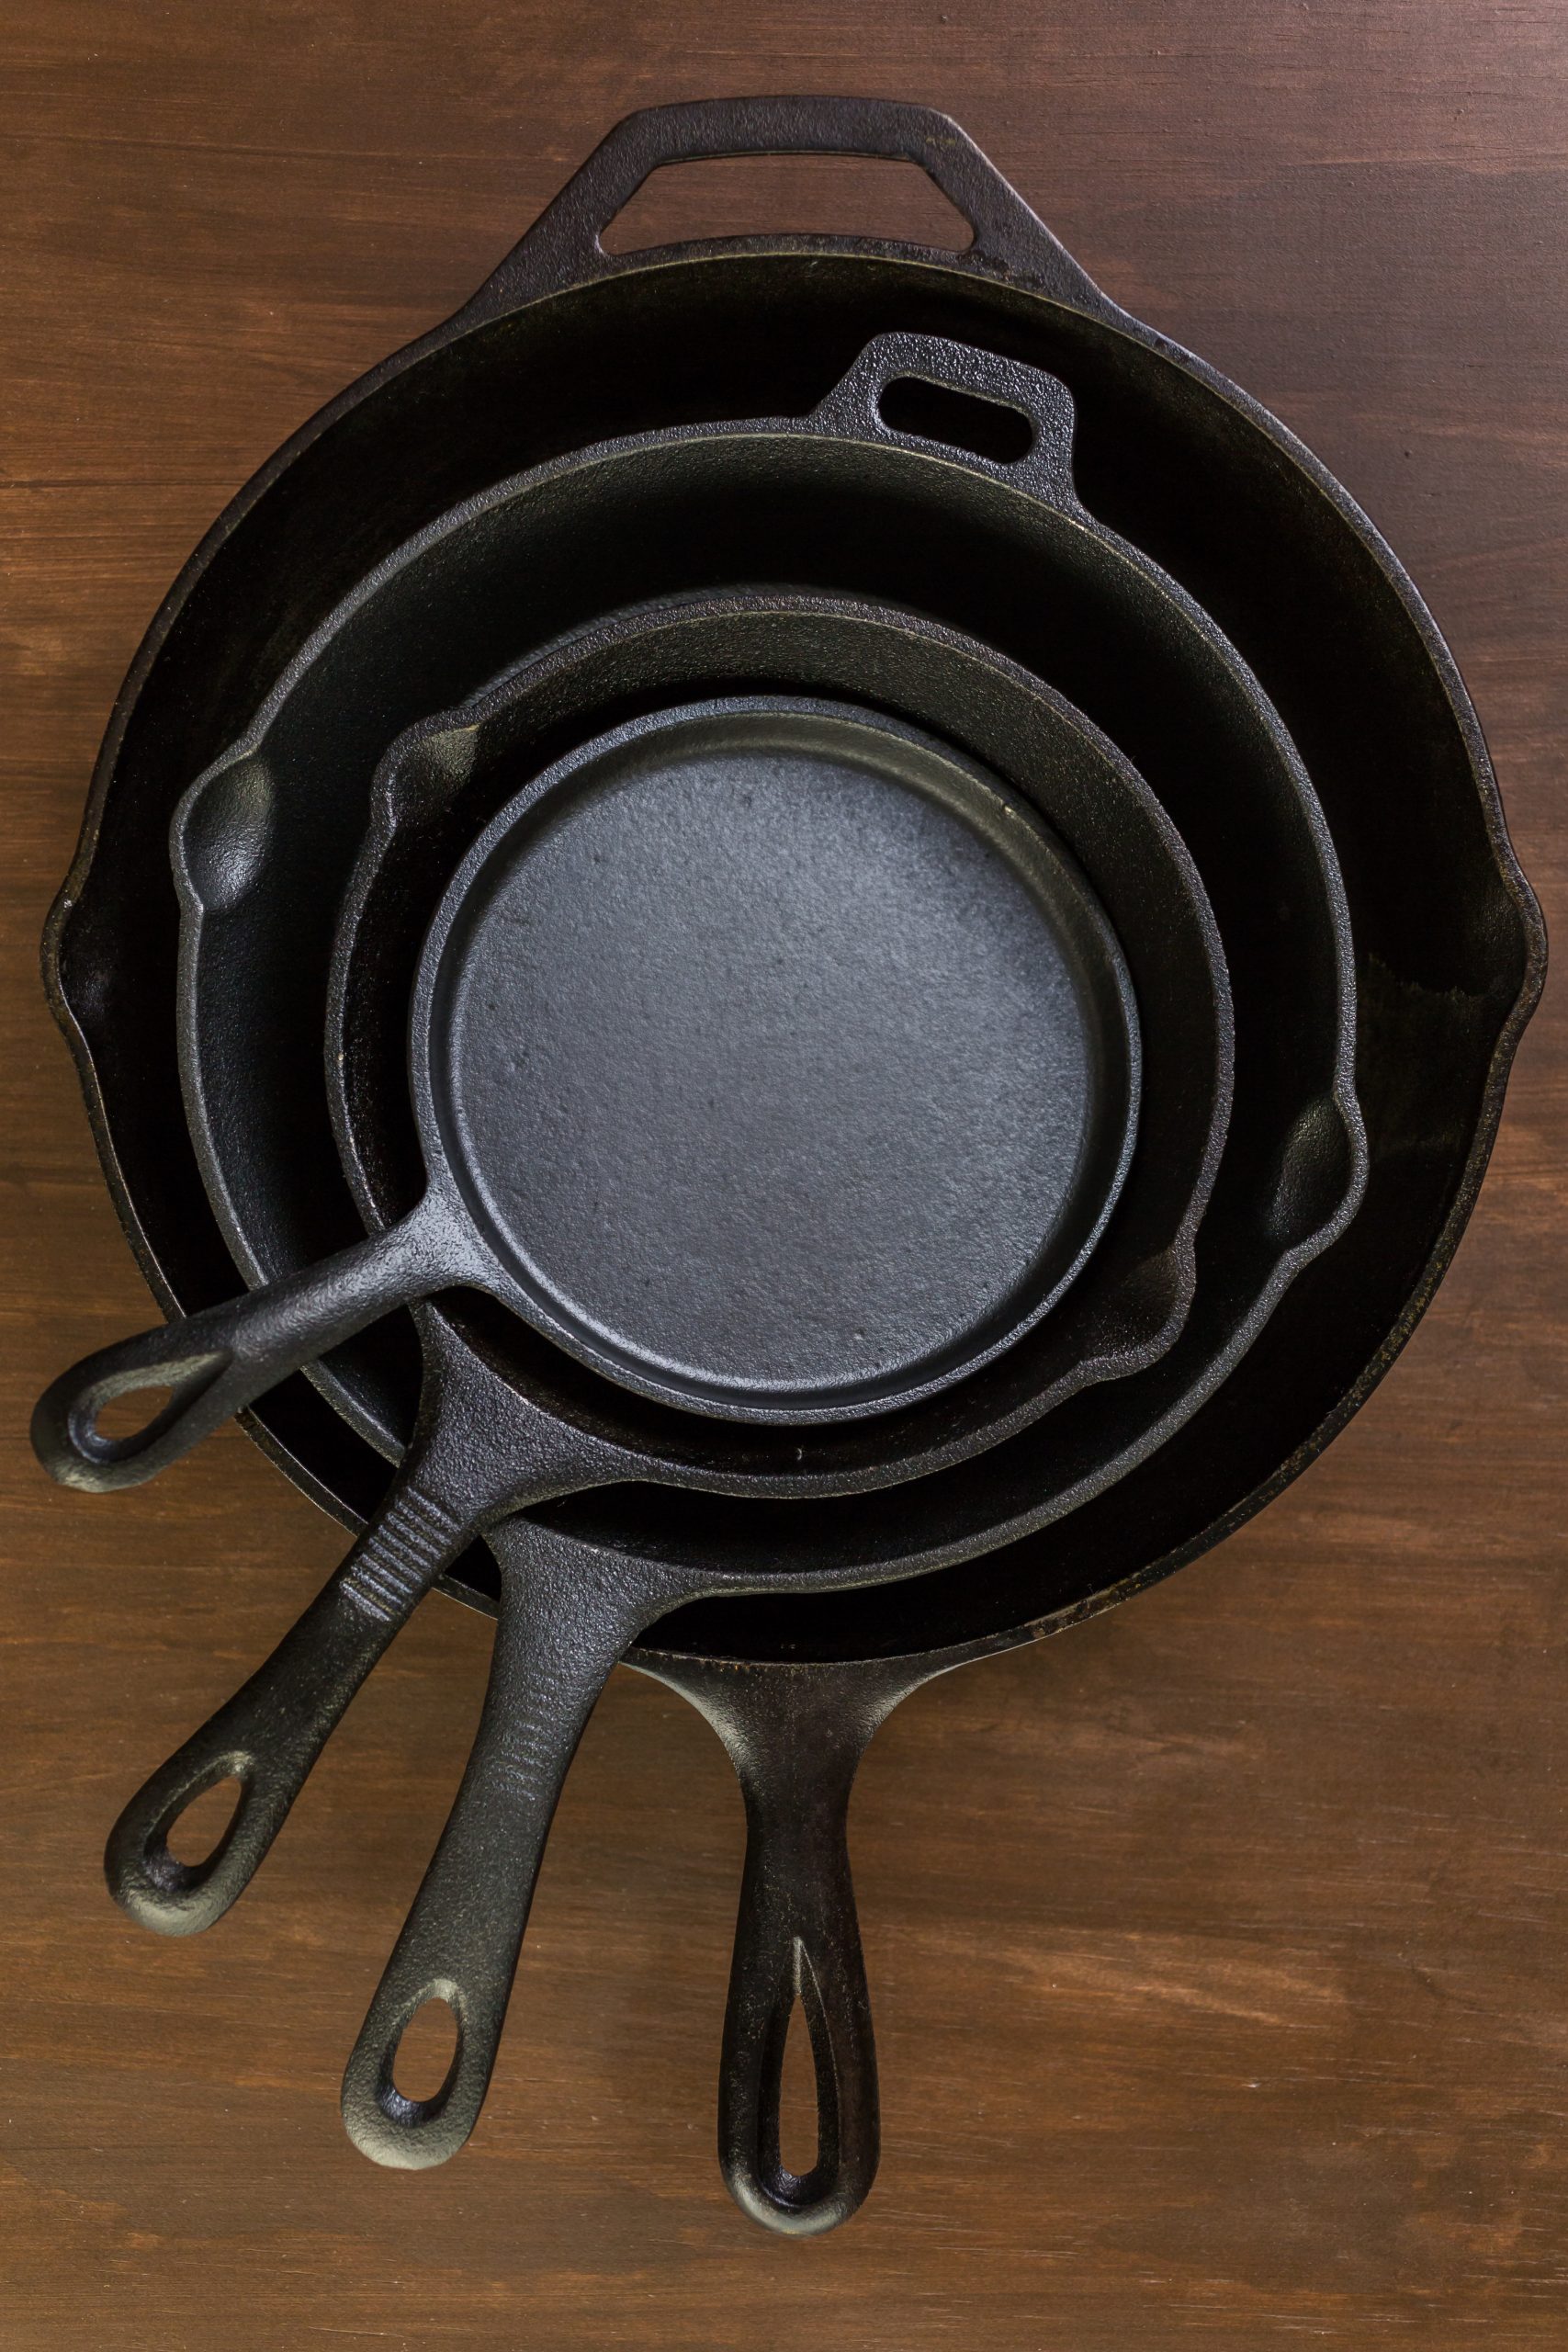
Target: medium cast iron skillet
(446,779)
(1153,900)
(1449,946)
(842,489)
(797,1937)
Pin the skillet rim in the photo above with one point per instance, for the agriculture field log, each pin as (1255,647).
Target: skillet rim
(972,278)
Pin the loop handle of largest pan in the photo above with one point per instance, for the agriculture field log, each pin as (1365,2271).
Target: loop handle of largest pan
(564,247)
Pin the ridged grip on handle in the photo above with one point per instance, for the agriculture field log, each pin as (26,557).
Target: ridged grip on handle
(567,1614)
(269,1735)
(563,246)
(478,1451)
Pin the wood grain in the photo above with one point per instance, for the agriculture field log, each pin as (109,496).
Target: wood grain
(1217,1947)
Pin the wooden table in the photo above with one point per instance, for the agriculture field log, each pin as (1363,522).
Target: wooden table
(1217,1948)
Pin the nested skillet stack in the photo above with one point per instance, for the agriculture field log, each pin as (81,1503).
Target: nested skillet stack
(1301,599)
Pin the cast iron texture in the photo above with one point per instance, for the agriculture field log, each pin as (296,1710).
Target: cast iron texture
(1449,943)
(441,783)
(1448,938)
(429,803)
(844,489)
(1450,947)
(426,792)
(769,1057)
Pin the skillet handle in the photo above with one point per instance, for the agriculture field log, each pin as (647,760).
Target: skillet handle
(566,1614)
(268,1735)
(796,1736)
(857,409)
(563,246)
(215,1363)
(478,1449)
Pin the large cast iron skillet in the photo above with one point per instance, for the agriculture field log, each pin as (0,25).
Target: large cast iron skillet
(1449,943)
(847,489)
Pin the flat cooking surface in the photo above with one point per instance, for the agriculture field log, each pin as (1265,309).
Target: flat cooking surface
(1217,1948)
(780,1057)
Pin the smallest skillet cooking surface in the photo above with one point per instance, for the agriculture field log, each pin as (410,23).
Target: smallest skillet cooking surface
(780,1052)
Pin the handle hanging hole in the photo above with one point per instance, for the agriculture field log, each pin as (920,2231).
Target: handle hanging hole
(196,1834)
(131,1412)
(799,2142)
(968,420)
(746,195)
(103,1423)
(426,2055)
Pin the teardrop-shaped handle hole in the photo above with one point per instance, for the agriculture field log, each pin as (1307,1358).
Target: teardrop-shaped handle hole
(984,428)
(131,1411)
(799,2142)
(745,196)
(426,2055)
(194,1835)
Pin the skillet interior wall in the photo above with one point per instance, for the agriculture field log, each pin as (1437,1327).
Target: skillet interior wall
(696,512)
(1158,457)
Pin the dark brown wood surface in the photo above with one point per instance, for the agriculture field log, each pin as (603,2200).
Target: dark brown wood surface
(1218,1947)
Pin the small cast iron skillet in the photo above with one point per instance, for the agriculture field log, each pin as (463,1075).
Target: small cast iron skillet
(1152,895)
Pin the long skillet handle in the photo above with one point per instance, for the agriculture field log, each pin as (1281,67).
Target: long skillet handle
(566,1614)
(476,1449)
(563,246)
(268,1735)
(214,1363)
(796,1736)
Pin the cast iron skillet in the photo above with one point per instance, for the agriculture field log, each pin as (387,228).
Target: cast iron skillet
(267,835)
(1137,397)
(771,1060)
(1153,900)
(1449,949)
(421,812)
(1251,807)
(841,493)
(355,659)
(775,1062)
